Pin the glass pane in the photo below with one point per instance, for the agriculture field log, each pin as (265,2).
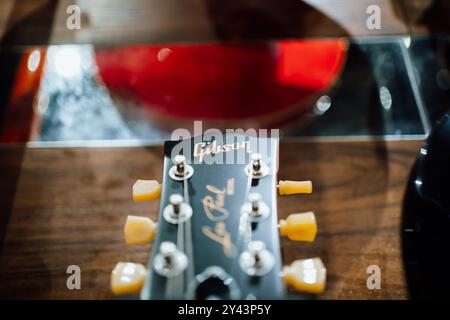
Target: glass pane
(307,88)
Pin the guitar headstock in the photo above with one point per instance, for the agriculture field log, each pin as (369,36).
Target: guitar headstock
(217,235)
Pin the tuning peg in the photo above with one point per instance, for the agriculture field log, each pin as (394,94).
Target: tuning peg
(146,190)
(308,276)
(139,230)
(127,278)
(299,227)
(294,187)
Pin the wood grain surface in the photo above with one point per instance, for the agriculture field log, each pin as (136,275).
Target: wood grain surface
(67,206)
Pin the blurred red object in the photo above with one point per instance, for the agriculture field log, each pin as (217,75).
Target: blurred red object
(20,117)
(252,85)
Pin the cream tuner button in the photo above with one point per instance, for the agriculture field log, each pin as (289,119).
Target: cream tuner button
(299,227)
(127,278)
(308,276)
(139,230)
(146,190)
(286,187)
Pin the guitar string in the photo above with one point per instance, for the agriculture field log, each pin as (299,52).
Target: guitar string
(244,228)
(246,221)
(180,245)
(174,285)
(179,280)
(184,232)
(189,244)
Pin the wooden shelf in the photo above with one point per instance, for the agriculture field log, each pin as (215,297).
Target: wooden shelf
(65,206)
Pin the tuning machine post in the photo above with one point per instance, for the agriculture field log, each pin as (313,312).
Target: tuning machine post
(257,168)
(256,209)
(169,262)
(256,261)
(180,170)
(177,211)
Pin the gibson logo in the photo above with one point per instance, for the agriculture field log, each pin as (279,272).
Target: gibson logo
(216,212)
(202,149)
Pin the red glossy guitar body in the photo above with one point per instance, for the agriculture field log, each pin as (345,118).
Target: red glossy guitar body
(252,85)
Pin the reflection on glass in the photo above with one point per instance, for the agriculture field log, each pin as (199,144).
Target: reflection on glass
(67,61)
(33,60)
(407,41)
(385,98)
(323,104)
(303,87)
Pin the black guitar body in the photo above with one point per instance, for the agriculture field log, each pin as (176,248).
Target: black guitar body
(426,218)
